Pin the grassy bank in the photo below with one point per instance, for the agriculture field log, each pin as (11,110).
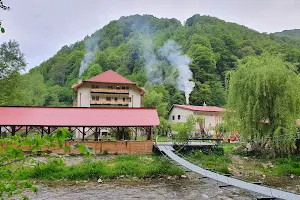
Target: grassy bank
(140,166)
(215,159)
(232,162)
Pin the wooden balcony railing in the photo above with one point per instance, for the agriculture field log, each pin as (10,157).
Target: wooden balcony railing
(102,102)
(104,90)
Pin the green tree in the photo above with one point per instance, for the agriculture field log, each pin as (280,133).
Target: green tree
(33,88)
(12,159)
(12,62)
(264,102)
(164,127)
(93,70)
(186,129)
(154,99)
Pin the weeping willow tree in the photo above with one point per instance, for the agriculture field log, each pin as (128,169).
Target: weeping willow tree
(264,102)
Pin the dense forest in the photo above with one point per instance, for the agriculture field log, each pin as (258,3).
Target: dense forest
(289,33)
(132,46)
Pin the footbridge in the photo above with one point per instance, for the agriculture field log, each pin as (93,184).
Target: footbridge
(270,193)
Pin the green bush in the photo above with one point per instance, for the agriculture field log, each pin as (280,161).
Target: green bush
(105,153)
(140,166)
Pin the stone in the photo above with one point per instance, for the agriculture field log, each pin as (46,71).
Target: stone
(205,196)
(122,176)
(240,149)
(183,176)
(100,181)
(169,178)
(292,176)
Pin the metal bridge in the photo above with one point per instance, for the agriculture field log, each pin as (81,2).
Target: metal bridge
(271,193)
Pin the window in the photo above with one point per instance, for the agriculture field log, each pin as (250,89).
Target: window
(173,117)
(116,99)
(93,98)
(93,86)
(108,98)
(127,88)
(110,87)
(97,98)
(129,99)
(123,88)
(96,86)
(123,99)
(178,117)
(118,87)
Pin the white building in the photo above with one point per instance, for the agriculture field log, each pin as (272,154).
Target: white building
(211,115)
(108,89)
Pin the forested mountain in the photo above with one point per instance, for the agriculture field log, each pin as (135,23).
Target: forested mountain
(132,46)
(289,33)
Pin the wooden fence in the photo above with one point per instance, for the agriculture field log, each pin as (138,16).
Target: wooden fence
(122,147)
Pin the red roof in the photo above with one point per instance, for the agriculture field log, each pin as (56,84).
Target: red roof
(200,108)
(76,116)
(109,76)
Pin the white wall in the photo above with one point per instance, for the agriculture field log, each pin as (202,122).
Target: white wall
(136,97)
(179,111)
(86,97)
(211,119)
(85,92)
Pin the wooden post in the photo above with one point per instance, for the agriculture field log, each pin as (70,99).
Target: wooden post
(0,131)
(135,137)
(13,130)
(96,134)
(42,131)
(149,129)
(49,130)
(83,133)
(26,132)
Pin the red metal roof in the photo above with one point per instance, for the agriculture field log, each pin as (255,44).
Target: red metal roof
(200,108)
(109,76)
(75,116)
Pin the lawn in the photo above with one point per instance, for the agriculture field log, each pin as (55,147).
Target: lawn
(140,166)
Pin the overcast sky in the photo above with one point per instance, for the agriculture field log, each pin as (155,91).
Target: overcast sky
(42,27)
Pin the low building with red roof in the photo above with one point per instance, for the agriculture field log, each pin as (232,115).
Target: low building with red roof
(211,115)
(108,89)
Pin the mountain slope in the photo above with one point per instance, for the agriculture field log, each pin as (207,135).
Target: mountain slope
(289,33)
(132,47)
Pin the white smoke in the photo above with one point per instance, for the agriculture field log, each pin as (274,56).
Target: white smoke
(154,71)
(91,47)
(181,62)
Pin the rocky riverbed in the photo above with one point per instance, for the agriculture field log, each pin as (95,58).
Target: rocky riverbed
(192,187)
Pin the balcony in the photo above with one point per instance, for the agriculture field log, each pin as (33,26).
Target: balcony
(109,91)
(103,102)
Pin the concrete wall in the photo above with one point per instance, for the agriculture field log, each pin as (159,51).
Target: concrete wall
(184,113)
(84,96)
(211,119)
(136,97)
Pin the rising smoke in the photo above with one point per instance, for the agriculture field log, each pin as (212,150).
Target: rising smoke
(91,47)
(181,62)
(153,71)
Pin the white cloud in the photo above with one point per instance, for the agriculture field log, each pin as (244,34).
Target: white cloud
(43,27)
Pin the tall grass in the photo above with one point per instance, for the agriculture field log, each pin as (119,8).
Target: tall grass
(212,160)
(140,166)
